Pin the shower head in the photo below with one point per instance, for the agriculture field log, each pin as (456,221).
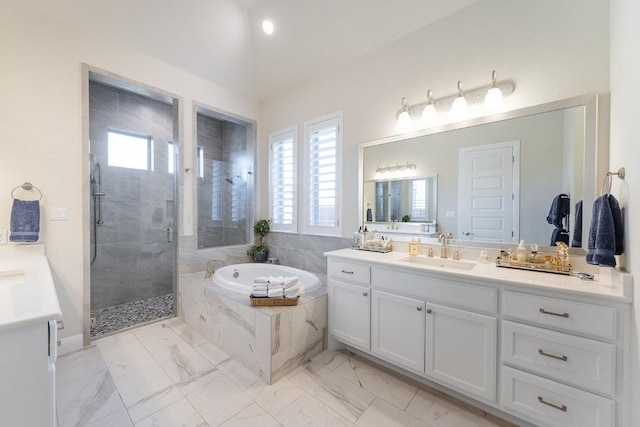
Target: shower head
(230,179)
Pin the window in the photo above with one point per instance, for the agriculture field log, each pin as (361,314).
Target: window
(216,190)
(419,199)
(282,175)
(200,160)
(171,167)
(129,150)
(322,198)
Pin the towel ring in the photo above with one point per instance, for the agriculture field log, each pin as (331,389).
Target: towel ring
(27,186)
(608,180)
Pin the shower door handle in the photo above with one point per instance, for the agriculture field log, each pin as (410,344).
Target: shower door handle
(169,234)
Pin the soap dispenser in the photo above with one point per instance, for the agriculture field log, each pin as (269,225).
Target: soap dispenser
(413,248)
(521,252)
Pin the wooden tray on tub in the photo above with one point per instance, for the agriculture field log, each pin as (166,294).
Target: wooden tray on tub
(272,302)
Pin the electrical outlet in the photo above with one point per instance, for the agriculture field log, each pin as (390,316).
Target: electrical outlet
(3,237)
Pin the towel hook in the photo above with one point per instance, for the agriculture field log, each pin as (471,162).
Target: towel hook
(608,180)
(27,186)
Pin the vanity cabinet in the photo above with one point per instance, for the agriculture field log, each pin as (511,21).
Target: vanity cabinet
(461,350)
(558,377)
(350,308)
(543,349)
(398,329)
(350,314)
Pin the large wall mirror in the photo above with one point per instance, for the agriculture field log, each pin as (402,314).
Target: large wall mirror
(498,177)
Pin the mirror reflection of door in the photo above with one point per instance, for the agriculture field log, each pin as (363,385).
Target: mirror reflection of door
(489,192)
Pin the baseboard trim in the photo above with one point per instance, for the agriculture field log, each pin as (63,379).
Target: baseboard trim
(69,344)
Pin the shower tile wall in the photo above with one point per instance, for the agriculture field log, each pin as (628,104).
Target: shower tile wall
(226,142)
(134,261)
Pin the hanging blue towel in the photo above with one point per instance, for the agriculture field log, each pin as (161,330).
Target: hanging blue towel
(25,221)
(606,232)
(559,235)
(559,209)
(577,228)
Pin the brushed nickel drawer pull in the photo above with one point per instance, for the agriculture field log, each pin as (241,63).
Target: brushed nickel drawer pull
(419,308)
(346,272)
(543,311)
(542,352)
(562,408)
(429,311)
(364,294)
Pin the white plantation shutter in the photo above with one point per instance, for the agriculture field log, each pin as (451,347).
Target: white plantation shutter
(324,151)
(283,170)
(419,199)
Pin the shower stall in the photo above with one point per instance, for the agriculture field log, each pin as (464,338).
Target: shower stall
(132,207)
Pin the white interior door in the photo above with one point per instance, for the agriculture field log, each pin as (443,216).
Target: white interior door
(489,198)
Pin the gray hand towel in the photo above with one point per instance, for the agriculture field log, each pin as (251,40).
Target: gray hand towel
(25,221)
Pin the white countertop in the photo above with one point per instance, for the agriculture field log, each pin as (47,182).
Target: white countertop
(30,298)
(608,283)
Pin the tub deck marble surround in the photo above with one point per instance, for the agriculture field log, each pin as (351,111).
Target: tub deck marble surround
(127,379)
(268,341)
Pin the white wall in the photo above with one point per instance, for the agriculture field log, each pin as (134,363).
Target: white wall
(625,150)
(552,50)
(41,127)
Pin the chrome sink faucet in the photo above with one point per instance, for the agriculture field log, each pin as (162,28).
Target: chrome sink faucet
(443,239)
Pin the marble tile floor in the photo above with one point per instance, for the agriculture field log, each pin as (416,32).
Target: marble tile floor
(122,316)
(165,374)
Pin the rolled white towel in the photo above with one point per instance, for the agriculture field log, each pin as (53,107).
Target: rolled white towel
(264,287)
(290,281)
(292,293)
(259,294)
(261,279)
(276,292)
(276,280)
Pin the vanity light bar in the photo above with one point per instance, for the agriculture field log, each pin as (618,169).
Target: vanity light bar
(475,95)
(398,167)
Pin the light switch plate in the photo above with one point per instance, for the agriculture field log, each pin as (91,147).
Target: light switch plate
(3,237)
(59,214)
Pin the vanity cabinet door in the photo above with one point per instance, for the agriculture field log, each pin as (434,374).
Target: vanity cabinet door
(397,329)
(461,350)
(350,314)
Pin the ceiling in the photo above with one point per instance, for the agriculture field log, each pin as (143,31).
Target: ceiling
(222,40)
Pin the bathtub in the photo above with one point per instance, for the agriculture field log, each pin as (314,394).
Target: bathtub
(239,277)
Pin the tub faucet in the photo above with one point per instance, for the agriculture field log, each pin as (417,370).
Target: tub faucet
(210,267)
(443,239)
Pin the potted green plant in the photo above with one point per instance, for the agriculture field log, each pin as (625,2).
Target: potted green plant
(260,251)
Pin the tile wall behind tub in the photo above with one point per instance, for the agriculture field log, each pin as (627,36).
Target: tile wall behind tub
(304,251)
(295,250)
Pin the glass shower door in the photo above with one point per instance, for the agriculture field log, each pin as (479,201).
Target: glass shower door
(133,212)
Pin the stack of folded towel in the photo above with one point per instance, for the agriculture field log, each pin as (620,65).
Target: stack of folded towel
(276,287)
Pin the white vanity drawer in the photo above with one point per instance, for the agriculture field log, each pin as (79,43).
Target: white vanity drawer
(461,295)
(578,361)
(596,320)
(350,272)
(554,404)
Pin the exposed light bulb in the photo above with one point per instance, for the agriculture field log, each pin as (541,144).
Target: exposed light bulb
(267,27)
(493,100)
(429,114)
(404,118)
(459,107)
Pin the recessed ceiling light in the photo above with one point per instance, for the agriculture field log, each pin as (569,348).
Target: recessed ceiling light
(267,27)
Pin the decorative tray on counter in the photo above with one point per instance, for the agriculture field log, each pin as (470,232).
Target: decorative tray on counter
(545,267)
(372,249)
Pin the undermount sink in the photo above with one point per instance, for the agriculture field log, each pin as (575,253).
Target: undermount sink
(11,277)
(439,262)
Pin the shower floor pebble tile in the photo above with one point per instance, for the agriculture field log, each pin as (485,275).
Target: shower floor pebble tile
(164,374)
(116,318)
